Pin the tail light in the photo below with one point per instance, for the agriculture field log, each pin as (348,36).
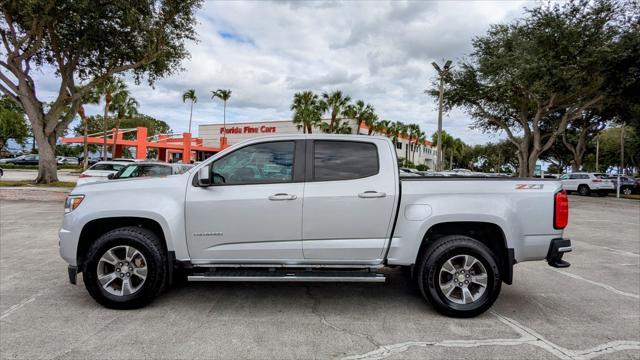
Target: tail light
(84,175)
(597,181)
(561,210)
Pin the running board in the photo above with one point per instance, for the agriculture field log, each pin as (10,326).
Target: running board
(297,276)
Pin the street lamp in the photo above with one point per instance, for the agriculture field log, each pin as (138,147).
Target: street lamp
(441,73)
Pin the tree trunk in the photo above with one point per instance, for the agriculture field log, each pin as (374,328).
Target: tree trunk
(358,130)
(47,164)
(85,143)
(224,124)
(115,136)
(107,102)
(190,116)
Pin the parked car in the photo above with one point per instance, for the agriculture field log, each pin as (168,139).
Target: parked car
(1,172)
(229,220)
(7,159)
(433,174)
(31,159)
(100,171)
(628,185)
(144,169)
(409,172)
(67,160)
(126,160)
(586,183)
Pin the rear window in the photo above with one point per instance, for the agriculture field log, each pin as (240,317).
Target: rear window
(107,167)
(344,160)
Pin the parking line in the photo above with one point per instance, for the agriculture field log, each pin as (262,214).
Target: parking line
(17,307)
(604,286)
(528,336)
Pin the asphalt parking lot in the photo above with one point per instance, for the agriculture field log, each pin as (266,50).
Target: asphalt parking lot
(590,310)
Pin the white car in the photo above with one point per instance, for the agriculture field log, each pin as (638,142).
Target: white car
(586,183)
(100,171)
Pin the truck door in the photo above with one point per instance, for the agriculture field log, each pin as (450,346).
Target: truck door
(349,199)
(253,210)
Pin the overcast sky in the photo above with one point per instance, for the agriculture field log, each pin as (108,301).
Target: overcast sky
(380,52)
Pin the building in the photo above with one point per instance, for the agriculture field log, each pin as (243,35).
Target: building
(212,136)
(163,147)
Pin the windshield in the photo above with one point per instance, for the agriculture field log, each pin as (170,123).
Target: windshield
(131,171)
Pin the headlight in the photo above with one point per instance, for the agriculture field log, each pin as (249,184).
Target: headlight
(73,201)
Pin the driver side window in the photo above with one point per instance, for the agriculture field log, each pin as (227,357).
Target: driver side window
(256,164)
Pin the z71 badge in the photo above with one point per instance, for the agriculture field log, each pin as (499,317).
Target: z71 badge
(529,186)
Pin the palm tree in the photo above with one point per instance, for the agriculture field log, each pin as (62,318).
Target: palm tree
(91,97)
(108,88)
(411,130)
(190,95)
(420,140)
(371,120)
(123,105)
(360,113)
(307,111)
(223,95)
(335,103)
(383,126)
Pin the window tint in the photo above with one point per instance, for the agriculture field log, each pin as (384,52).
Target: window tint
(256,164)
(343,160)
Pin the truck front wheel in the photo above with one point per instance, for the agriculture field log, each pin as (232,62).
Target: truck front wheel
(459,276)
(125,268)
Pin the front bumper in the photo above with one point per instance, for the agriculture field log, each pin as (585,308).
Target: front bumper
(557,249)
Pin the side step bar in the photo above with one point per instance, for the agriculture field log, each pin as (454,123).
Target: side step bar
(294,276)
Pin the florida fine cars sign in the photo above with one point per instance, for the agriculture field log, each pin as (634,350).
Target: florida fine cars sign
(248,129)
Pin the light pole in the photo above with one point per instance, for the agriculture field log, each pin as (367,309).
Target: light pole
(441,73)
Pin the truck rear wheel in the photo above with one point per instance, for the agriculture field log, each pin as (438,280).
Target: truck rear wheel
(125,268)
(459,276)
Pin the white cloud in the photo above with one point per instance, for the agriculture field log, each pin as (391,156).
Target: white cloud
(376,51)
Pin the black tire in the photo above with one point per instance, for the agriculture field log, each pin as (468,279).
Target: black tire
(584,190)
(149,245)
(434,258)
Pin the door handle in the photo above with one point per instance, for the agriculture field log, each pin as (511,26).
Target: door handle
(282,196)
(371,194)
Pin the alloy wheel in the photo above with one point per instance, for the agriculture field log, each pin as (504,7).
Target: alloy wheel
(463,279)
(122,270)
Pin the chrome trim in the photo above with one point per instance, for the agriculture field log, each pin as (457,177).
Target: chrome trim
(300,266)
(378,278)
(565,249)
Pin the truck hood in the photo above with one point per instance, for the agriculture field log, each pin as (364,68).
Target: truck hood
(146,184)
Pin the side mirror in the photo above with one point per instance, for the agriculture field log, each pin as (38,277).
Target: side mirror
(111,176)
(204,176)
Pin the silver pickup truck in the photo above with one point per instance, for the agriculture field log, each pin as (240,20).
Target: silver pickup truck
(311,208)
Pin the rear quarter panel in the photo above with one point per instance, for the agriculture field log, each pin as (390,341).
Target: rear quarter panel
(522,208)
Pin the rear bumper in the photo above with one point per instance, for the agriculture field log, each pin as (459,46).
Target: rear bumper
(557,249)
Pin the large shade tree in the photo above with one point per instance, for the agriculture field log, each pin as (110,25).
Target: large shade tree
(84,44)
(12,123)
(533,77)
